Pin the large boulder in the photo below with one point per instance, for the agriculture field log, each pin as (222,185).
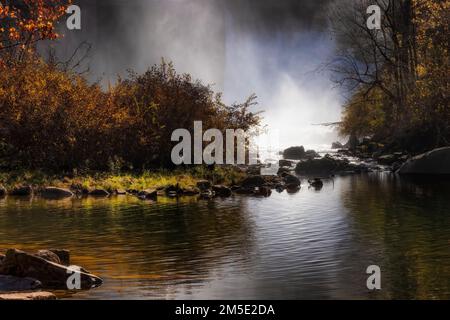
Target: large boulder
(294,153)
(434,162)
(56,193)
(52,275)
(337,145)
(325,166)
(12,283)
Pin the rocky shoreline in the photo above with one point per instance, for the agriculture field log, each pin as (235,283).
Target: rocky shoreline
(305,164)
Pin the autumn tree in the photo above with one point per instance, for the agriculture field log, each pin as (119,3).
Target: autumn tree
(23,23)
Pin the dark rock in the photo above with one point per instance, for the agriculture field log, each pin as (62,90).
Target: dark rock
(292,188)
(204,185)
(21,191)
(434,162)
(63,255)
(148,194)
(316,183)
(291,180)
(12,283)
(387,159)
(191,191)
(311,154)
(283,171)
(324,166)
(253,182)
(132,191)
(99,193)
(295,153)
(3,191)
(56,193)
(207,195)
(264,191)
(49,256)
(222,191)
(41,295)
(285,163)
(51,275)
(337,145)
(246,190)
(173,189)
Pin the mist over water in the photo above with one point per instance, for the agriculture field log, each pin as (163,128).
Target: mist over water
(270,48)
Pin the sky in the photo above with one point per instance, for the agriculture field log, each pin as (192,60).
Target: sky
(273,48)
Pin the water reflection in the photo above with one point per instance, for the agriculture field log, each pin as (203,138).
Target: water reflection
(309,244)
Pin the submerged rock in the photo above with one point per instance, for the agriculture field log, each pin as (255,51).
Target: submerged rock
(52,275)
(434,162)
(56,193)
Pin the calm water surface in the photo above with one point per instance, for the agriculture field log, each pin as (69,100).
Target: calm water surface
(312,244)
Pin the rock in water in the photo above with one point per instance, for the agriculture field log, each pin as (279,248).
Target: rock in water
(222,191)
(148,194)
(22,191)
(435,162)
(204,185)
(99,193)
(295,153)
(253,182)
(12,283)
(291,180)
(3,191)
(28,296)
(51,275)
(56,193)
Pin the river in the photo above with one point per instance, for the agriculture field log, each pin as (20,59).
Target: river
(315,244)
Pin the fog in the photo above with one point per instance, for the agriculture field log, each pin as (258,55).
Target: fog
(271,48)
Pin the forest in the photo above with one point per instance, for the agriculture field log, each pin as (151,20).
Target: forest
(396,77)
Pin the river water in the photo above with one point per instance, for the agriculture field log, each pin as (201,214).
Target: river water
(315,244)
